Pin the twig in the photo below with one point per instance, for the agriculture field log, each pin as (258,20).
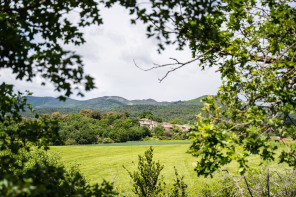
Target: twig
(248,186)
(114,178)
(287,49)
(240,189)
(222,189)
(282,181)
(268,192)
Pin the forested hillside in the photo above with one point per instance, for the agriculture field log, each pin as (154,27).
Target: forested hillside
(101,103)
(185,113)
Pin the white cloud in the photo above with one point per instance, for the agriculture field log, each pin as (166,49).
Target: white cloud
(108,57)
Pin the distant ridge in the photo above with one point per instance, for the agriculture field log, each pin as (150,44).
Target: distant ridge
(105,103)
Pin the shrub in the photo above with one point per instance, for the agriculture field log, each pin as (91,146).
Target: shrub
(70,141)
(147,181)
(107,140)
(167,134)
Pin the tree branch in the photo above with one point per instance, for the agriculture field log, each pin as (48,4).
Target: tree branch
(177,63)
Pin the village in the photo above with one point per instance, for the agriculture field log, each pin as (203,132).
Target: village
(167,126)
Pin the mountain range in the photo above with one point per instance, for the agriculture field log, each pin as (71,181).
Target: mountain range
(105,103)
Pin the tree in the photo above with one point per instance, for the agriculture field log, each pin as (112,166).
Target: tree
(177,121)
(149,115)
(253,45)
(32,36)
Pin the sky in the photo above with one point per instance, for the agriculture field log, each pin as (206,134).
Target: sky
(108,56)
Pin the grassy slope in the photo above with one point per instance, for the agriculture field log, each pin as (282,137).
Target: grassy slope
(98,162)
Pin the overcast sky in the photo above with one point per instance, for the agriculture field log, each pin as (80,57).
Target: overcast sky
(108,57)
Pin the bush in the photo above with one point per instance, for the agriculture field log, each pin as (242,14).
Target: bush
(70,141)
(107,140)
(147,181)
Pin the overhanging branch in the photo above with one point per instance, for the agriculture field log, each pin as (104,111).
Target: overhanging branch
(177,63)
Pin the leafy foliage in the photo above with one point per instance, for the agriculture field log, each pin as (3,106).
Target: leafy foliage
(32,37)
(25,169)
(159,130)
(254,44)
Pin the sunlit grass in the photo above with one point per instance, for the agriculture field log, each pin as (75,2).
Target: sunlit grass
(106,162)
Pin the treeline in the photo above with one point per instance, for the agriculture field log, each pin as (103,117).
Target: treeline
(93,127)
(30,114)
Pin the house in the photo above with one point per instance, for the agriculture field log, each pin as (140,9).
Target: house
(167,126)
(183,127)
(148,123)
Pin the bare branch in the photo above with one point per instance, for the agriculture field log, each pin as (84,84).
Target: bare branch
(248,186)
(177,63)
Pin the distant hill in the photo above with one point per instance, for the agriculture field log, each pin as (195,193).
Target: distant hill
(184,110)
(196,101)
(105,103)
(51,102)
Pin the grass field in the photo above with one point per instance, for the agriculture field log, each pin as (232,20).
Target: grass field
(98,162)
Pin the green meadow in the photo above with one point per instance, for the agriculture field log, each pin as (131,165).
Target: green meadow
(98,162)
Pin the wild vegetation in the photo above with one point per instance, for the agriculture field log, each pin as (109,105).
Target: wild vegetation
(252,42)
